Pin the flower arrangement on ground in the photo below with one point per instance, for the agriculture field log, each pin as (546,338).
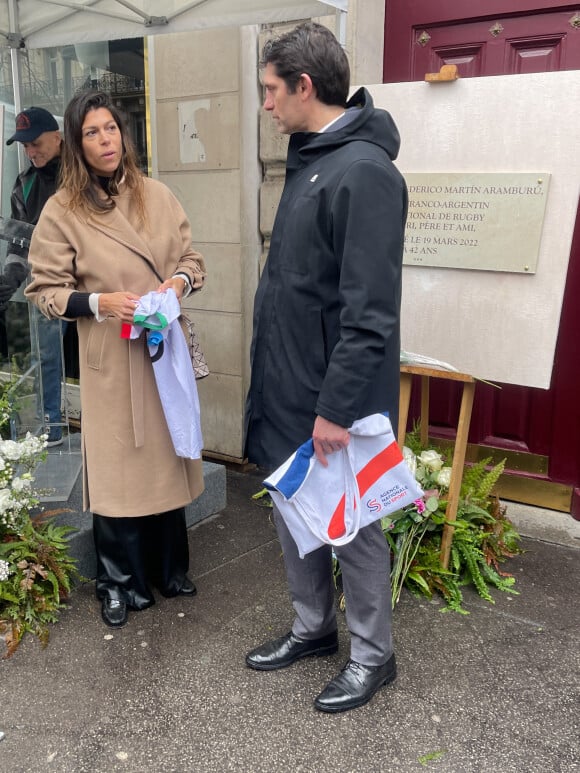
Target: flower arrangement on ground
(483,537)
(36,571)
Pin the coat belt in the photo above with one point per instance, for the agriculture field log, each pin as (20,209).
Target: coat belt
(136,371)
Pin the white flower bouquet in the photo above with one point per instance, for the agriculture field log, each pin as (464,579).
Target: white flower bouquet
(36,570)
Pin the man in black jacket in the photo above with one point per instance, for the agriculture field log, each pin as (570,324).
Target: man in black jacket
(39,133)
(326,344)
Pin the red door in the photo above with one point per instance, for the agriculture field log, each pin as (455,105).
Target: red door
(538,431)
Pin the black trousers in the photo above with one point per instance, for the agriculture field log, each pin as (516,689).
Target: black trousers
(135,553)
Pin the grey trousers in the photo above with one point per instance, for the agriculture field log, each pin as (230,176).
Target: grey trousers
(365,565)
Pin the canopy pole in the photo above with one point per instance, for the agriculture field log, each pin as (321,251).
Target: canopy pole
(341,27)
(14,57)
(15,62)
(16,68)
(16,79)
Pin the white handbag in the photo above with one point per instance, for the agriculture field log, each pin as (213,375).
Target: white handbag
(362,483)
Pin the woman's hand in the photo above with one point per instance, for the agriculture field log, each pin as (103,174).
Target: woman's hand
(120,305)
(176,283)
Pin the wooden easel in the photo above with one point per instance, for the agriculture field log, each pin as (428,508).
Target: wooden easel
(426,373)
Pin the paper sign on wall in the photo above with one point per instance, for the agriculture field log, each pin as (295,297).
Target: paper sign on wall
(191,148)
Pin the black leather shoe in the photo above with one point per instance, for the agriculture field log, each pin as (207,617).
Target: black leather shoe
(114,612)
(188,588)
(355,685)
(284,651)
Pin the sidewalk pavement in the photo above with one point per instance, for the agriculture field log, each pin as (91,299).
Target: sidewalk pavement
(497,690)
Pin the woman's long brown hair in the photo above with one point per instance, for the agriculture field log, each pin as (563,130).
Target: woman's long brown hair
(77,178)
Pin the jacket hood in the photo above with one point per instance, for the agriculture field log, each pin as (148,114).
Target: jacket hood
(369,124)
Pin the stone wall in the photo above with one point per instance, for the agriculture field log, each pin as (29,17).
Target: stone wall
(204,114)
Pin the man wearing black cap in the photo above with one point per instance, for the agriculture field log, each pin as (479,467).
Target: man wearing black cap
(38,131)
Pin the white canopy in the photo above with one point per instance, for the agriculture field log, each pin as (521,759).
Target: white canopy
(43,23)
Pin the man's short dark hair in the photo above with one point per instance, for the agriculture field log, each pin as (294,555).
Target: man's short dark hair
(311,49)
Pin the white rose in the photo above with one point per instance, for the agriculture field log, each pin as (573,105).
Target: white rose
(431,460)
(5,500)
(31,445)
(21,484)
(4,570)
(11,450)
(444,477)
(410,459)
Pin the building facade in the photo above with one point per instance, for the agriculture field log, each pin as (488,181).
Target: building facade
(197,121)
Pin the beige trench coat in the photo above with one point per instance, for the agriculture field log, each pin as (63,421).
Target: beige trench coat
(130,467)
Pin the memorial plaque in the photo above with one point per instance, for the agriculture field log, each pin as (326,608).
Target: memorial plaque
(481,221)
(496,324)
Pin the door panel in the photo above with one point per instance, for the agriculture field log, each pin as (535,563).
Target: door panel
(413,30)
(518,45)
(538,429)
(529,56)
(469,59)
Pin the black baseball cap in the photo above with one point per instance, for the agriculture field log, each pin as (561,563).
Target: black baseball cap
(31,123)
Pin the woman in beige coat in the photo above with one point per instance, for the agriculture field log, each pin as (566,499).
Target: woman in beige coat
(107,237)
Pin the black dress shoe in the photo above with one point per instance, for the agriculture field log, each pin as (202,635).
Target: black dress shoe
(355,685)
(188,588)
(284,651)
(114,612)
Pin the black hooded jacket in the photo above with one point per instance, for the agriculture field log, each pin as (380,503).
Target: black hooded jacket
(326,315)
(31,191)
